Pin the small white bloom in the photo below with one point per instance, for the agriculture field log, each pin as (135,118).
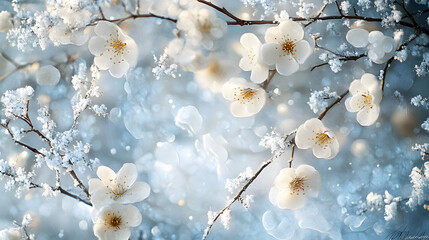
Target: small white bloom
(10,234)
(248,98)
(251,60)
(215,75)
(313,134)
(189,59)
(380,47)
(113,49)
(5,21)
(113,222)
(117,188)
(365,99)
(201,26)
(285,47)
(291,187)
(62,34)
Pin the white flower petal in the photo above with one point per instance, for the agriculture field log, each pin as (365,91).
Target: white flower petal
(239,110)
(368,80)
(106,174)
(127,175)
(138,192)
(348,107)
(286,65)
(314,124)
(292,30)
(131,216)
(304,138)
(270,52)
(97,45)
(313,180)
(367,117)
(104,61)
(356,87)
(247,63)
(375,36)
(284,178)
(285,200)
(131,53)
(322,152)
(357,37)
(303,51)
(357,102)
(273,35)
(259,73)
(118,69)
(104,29)
(250,41)
(95,184)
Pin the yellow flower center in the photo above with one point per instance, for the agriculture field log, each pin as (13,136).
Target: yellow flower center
(297,184)
(215,69)
(119,191)
(323,139)
(205,26)
(118,46)
(289,47)
(113,221)
(244,95)
(367,100)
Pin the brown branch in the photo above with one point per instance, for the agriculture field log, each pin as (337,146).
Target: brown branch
(318,15)
(411,17)
(322,115)
(344,59)
(148,15)
(385,73)
(265,84)
(223,10)
(62,190)
(292,153)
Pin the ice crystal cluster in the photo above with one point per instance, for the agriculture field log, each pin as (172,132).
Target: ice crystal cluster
(196,119)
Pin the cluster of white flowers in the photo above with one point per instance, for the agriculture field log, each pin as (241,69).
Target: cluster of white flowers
(109,192)
(365,99)
(380,47)
(284,48)
(293,186)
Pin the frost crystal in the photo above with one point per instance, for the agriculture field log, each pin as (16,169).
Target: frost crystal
(374,201)
(274,141)
(419,181)
(15,101)
(233,184)
(318,99)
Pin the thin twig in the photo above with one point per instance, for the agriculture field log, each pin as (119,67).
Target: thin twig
(345,59)
(292,153)
(271,74)
(263,166)
(317,16)
(322,115)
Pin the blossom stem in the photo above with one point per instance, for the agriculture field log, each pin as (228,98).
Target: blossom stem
(345,59)
(292,153)
(244,188)
(322,115)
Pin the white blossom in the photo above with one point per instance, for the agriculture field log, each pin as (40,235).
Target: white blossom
(366,97)
(251,60)
(201,26)
(215,75)
(118,187)
(380,47)
(189,59)
(293,186)
(113,50)
(113,222)
(247,98)
(313,134)
(285,47)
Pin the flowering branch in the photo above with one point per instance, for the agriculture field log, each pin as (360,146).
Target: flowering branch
(264,165)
